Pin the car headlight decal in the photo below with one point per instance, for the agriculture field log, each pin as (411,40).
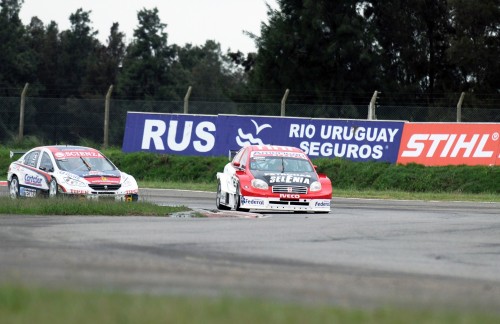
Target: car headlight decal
(128,182)
(315,186)
(259,184)
(74,182)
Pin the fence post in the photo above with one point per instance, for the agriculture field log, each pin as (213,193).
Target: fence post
(186,100)
(21,112)
(371,106)
(106,117)
(459,107)
(285,96)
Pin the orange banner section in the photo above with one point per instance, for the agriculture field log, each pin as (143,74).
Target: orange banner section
(434,144)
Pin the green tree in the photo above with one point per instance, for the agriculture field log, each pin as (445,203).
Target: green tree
(46,45)
(475,45)
(320,50)
(104,65)
(16,57)
(145,73)
(211,74)
(78,52)
(413,37)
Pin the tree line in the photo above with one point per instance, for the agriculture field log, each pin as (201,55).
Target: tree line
(324,51)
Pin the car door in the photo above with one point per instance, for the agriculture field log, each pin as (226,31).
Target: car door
(31,177)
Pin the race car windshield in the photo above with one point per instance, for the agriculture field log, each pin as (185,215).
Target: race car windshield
(280,164)
(85,164)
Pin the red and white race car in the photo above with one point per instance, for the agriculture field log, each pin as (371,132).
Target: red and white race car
(69,170)
(268,177)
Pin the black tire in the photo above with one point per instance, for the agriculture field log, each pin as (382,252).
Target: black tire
(14,188)
(237,200)
(53,188)
(217,199)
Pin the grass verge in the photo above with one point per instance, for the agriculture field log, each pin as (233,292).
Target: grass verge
(72,206)
(345,193)
(20,305)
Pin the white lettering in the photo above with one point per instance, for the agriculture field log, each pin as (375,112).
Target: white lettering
(186,136)
(462,144)
(415,146)
(447,145)
(294,131)
(299,131)
(153,130)
(480,153)
(208,137)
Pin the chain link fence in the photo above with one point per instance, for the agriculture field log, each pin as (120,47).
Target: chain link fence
(68,121)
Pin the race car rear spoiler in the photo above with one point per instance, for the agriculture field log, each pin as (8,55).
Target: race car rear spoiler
(12,153)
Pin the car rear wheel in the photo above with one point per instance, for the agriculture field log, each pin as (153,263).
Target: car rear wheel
(218,197)
(14,188)
(53,188)
(237,200)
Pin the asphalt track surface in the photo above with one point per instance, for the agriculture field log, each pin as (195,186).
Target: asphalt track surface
(365,253)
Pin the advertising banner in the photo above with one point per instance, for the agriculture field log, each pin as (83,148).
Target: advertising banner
(435,144)
(209,135)
(356,140)
(170,133)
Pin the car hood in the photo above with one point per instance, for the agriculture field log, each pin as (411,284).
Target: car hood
(100,177)
(286,178)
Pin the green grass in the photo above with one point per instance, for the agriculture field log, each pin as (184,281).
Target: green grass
(43,306)
(73,206)
(345,193)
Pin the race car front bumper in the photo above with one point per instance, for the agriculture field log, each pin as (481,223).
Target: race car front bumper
(269,203)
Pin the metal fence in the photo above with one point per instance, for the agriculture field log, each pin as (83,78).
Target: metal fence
(67,121)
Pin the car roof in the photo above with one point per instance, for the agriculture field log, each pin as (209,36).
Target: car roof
(61,148)
(70,150)
(277,151)
(275,148)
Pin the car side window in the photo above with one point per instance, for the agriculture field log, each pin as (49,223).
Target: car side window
(244,159)
(237,157)
(46,163)
(31,158)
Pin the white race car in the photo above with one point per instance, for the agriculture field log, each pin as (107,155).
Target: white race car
(268,177)
(69,170)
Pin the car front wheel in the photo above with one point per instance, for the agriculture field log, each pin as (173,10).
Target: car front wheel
(237,200)
(53,188)
(14,188)
(218,197)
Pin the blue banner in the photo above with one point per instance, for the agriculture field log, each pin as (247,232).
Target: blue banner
(208,135)
(170,133)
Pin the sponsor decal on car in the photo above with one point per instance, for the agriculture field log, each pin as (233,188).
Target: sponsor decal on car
(289,196)
(325,203)
(278,153)
(252,201)
(289,179)
(33,180)
(77,154)
(78,192)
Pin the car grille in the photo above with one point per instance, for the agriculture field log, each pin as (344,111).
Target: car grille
(101,187)
(289,189)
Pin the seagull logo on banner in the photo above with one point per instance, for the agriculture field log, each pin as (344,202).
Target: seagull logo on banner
(248,139)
